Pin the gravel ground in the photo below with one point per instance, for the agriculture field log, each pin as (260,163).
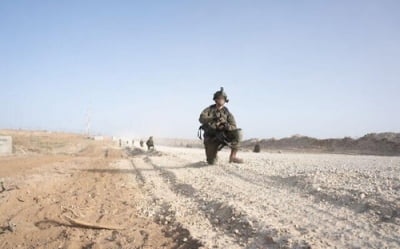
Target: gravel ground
(271,201)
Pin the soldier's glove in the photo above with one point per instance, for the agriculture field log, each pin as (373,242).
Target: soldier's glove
(216,119)
(221,126)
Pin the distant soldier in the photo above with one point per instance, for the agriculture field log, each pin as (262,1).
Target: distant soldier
(257,147)
(133,142)
(220,129)
(150,144)
(120,143)
(141,142)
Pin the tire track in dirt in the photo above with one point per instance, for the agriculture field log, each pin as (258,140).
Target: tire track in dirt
(238,228)
(162,192)
(246,231)
(92,191)
(387,211)
(172,228)
(375,209)
(215,177)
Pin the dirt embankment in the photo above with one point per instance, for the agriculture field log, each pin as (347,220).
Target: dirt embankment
(387,144)
(81,197)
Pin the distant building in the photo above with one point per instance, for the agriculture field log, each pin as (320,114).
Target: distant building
(6,145)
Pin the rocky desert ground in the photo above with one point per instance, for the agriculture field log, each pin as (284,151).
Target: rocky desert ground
(65,191)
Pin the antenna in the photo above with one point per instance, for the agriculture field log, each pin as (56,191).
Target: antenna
(87,122)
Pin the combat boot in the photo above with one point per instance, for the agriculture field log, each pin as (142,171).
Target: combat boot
(233,158)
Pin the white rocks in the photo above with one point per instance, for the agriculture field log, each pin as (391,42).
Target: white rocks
(305,196)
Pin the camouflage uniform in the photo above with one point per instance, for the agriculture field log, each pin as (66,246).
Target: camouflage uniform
(257,148)
(214,122)
(150,143)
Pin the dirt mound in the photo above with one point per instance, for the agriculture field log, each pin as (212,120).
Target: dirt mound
(370,144)
(81,200)
(45,142)
(389,136)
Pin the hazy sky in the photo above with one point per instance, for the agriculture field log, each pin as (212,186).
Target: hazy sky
(317,68)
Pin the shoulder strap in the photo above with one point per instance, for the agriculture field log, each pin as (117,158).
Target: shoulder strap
(210,109)
(227,111)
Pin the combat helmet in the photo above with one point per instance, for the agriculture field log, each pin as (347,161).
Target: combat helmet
(221,93)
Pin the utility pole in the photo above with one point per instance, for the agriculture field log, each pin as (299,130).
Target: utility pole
(87,122)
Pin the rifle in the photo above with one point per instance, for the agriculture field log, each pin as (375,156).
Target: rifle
(218,136)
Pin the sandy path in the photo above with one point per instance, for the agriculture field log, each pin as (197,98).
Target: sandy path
(89,189)
(279,200)
(172,199)
(168,203)
(17,165)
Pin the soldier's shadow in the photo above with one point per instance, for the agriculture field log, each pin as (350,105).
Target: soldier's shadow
(200,164)
(196,165)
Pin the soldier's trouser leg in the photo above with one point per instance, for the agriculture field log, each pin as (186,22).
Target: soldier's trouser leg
(211,150)
(234,138)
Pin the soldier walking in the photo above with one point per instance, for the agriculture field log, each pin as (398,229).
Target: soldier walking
(150,143)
